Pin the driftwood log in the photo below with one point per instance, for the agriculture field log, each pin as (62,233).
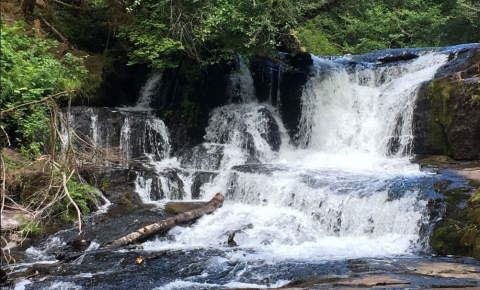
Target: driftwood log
(147,231)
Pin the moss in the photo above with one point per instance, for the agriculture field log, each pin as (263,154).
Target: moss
(460,237)
(442,104)
(474,183)
(475,199)
(439,239)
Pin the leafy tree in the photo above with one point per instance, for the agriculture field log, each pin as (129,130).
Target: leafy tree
(209,30)
(30,72)
(362,26)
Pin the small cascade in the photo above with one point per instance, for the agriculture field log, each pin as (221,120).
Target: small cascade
(364,109)
(240,83)
(151,87)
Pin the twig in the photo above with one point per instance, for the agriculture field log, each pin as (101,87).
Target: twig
(79,213)
(6,135)
(57,34)
(12,110)
(4,178)
(272,59)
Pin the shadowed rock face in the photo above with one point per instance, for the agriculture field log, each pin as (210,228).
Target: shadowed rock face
(134,134)
(446,117)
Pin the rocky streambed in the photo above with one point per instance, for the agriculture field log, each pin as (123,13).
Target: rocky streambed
(227,265)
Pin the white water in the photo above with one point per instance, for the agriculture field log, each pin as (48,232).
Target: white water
(327,199)
(240,87)
(151,87)
(356,113)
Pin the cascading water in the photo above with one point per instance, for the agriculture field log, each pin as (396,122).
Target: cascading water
(345,190)
(333,196)
(362,111)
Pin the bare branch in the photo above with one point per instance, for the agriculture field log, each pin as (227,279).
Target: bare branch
(12,110)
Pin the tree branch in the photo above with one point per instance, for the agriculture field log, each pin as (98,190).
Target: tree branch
(57,34)
(12,110)
(79,213)
(324,8)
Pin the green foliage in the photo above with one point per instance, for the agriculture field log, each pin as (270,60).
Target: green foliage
(190,109)
(316,41)
(207,30)
(363,26)
(167,114)
(29,227)
(84,195)
(30,72)
(150,43)
(105,182)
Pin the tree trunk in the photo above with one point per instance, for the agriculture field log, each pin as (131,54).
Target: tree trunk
(164,225)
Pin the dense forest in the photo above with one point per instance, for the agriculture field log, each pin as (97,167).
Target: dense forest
(58,52)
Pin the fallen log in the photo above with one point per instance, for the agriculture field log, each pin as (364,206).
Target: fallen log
(147,231)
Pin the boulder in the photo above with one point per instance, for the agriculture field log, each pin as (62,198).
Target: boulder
(446,270)
(446,118)
(404,56)
(372,281)
(174,208)
(199,179)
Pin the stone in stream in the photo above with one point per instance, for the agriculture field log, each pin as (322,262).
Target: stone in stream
(447,108)
(3,276)
(372,281)
(404,56)
(175,208)
(446,270)
(199,179)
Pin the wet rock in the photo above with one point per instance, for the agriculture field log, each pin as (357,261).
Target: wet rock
(404,56)
(310,282)
(237,237)
(446,114)
(199,179)
(26,243)
(166,184)
(124,134)
(457,234)
(80,244)
(290,107)
(301,60)
(12,217)
(202,157)
(460,59)
(446,270)
(43,269)
(174,208)
(372,281)
(3,276)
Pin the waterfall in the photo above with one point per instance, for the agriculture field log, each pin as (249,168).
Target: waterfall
(240,84)
(343,192)
(346,191)
(367,110)
(151,87)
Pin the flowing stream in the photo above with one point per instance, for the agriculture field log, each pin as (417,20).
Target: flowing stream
(348,190)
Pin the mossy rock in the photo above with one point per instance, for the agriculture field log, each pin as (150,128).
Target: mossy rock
(446,240)
(475,199)
(437,161)
(453,122)
(474,183)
